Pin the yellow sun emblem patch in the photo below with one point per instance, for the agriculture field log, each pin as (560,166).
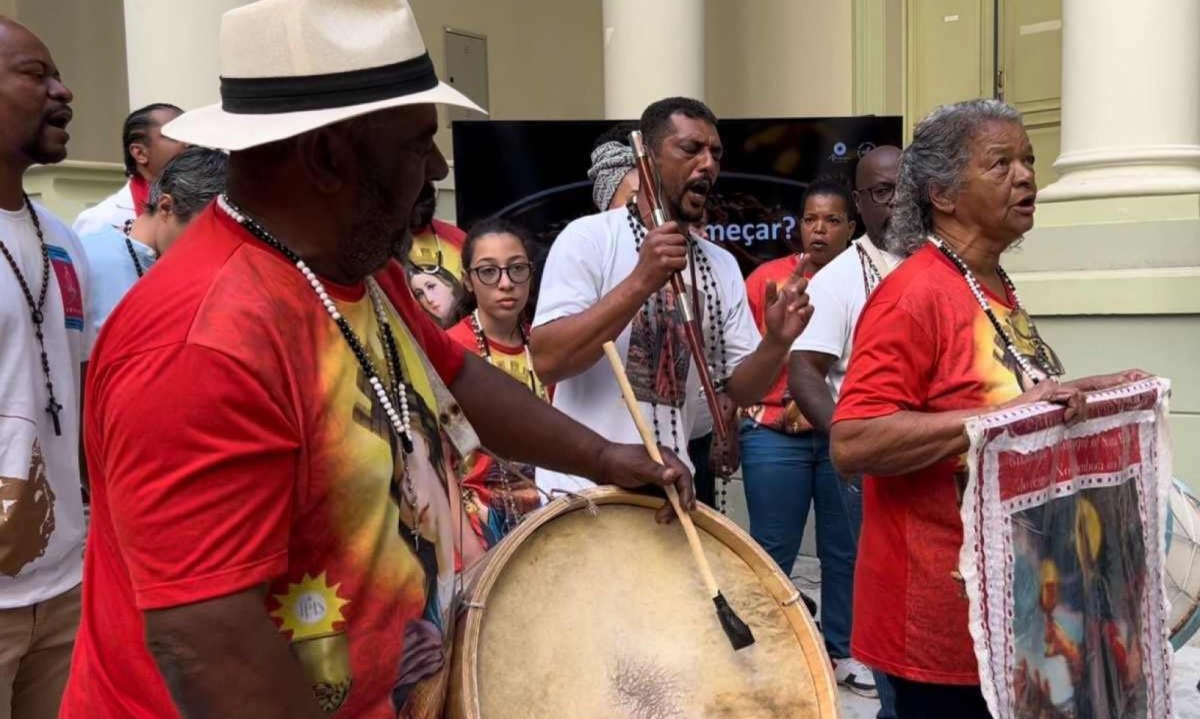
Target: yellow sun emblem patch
(310,608)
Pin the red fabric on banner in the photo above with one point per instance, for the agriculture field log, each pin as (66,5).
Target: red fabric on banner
(1104,453)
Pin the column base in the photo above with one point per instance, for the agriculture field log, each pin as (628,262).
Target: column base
(1155,170)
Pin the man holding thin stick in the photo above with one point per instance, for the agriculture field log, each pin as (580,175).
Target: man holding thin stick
(606,280)
(288,543)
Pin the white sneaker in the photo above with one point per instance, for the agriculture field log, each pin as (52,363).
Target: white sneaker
(855,676)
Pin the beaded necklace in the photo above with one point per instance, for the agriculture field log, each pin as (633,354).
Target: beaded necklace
(137,264)
(36,307)
(485,351)
(1041,352)
(716,356)
(871,274)
(392,395)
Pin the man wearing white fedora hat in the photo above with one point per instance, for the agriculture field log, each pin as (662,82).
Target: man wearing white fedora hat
(274,523)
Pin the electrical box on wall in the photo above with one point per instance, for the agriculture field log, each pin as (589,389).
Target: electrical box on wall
(467,71)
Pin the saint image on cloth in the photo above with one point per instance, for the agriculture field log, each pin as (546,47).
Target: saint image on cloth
(659,360)
(1062,558)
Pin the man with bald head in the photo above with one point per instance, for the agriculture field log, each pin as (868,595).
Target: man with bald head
(42,283)
(819,357)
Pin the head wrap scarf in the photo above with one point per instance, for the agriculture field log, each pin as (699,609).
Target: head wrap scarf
(610,163)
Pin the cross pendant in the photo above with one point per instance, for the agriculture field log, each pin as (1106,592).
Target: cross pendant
(53,407)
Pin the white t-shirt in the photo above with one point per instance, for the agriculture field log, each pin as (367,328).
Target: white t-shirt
(41,510)
(837,294)
(110,271)
(591,257)
(111,212)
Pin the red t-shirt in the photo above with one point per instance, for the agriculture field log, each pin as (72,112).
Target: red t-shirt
(777,410)
(233,442)
(923,344)
(491,512)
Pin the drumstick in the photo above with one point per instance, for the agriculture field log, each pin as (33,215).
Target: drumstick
(739,634)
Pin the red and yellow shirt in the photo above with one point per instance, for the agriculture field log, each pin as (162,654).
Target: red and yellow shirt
(233,442)
(923,344)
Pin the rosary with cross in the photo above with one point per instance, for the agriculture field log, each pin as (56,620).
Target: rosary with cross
(53,407)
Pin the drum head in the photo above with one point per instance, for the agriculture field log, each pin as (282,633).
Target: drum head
(606,616)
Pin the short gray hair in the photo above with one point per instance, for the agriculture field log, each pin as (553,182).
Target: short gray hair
(935,160)
(192,179)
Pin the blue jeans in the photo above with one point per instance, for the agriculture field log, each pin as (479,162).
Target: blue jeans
(785,474)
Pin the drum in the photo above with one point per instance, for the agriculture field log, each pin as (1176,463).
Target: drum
(581,614)
(1183,563)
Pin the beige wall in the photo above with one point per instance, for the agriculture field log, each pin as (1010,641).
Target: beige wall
(545,57)
(171,47)
(780,57)
(87,40)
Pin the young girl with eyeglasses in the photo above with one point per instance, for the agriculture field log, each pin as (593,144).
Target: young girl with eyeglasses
(497,276)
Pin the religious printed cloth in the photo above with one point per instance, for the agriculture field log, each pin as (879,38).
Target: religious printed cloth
(234,442)
(435,270)
(777,410)
(494,497)
(1062,557)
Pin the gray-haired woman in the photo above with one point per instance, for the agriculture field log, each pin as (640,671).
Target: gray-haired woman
(942,339)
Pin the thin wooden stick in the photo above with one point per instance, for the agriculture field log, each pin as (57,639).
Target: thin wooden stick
(735,629)
(685,519)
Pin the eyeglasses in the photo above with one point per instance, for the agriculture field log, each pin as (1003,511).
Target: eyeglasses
(518,272)
(880,194)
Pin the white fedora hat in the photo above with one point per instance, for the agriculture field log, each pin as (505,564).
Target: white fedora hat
(290,66)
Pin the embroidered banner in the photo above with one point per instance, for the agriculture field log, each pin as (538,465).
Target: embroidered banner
(1062,557)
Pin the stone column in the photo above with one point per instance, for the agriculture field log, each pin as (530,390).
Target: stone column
(171,50)
(652,50)
(1130,99)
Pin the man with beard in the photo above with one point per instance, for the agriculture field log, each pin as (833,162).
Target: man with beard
(272,531)
(43,341)
(819,357)
(606,280)
(436,253)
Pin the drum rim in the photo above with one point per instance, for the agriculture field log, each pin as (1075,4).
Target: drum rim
(470,618)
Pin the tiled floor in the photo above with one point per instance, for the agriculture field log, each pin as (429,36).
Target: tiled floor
(1186,670)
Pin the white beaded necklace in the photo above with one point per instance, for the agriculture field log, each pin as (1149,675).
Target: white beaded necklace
(400,420)
(1010,344)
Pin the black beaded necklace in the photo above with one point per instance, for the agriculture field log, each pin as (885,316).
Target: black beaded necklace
(871,275)
(36,307)
(395,393)
(137,265)
(716,356)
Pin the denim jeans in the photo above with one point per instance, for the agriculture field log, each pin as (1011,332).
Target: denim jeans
(784,475)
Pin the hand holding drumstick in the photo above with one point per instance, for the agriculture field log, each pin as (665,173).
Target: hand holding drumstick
(735,629)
